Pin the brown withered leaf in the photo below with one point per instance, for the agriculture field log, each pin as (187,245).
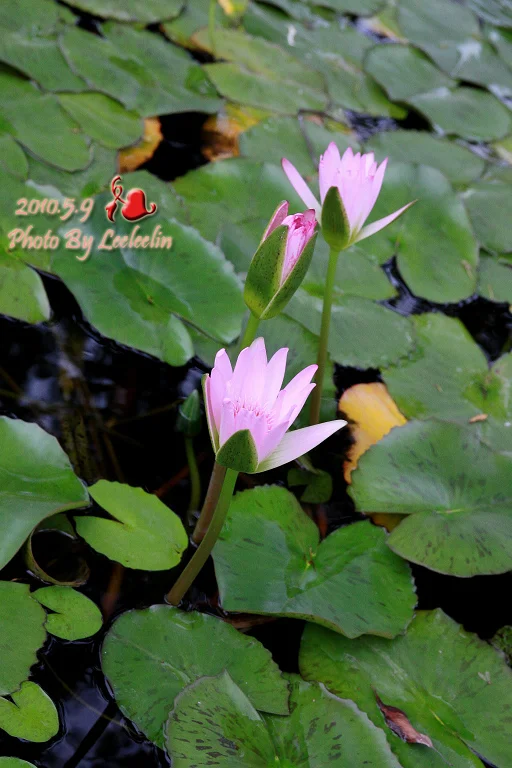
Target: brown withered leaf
(221,132)
(401,725)
(132,158)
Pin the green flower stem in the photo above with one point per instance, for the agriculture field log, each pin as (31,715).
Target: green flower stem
(195,480)
(316,396)
(210,503)
(250,332)
(202,553)
(211,24)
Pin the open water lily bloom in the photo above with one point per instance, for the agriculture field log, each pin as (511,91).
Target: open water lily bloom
(249,414)
(358,180)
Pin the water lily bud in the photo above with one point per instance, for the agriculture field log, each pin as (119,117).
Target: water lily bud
(189,415)
(357,180)
(280,264)
(249,414)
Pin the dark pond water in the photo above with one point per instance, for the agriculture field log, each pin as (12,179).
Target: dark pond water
(114,412)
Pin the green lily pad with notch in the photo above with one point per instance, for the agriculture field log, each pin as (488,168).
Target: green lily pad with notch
(12,158)
(15,762)
(103,119)
(459,164)
(456,523)
(489,205)
(31,715)
(73,615)
(362,333)
(40,59)
(452,686)
(208,194)
(437,254)
(150,656)
(300,141)
(144,533)
(404,71)
(441,28)
(349,582)
(337,53)
(22,293)
(467,112)
(495,279)
(449,378)
(149,12)
(317,483)
(22,633)
(37,481)
(29,112)
(79,184)
(213,717)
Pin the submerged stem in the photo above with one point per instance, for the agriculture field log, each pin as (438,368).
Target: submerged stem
(316,396)
(210,502)
(202,553)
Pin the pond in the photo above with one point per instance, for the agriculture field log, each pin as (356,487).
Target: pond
(355,608)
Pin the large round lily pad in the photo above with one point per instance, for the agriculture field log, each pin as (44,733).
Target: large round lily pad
(22,633)
(457,523)
(150,656)
(212,718)
(144,533)
(37,481)
(348,582)
(452,687)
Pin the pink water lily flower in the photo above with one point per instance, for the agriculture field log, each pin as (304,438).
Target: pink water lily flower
(301,228)
(249,414)
(358,179)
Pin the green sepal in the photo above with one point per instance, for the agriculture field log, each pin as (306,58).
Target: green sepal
(239,452)
(214,437)
(189,416)
(292,282)
(335,224)
(264,275)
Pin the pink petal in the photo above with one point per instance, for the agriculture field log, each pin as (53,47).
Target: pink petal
(255,423)
(212,427)
(272,439)
(376,187)
(300,186)
(328,168)
(291,394)
(227,422)
(376,226)
(223,364)
(274,377)
(277,219)
(298,442)
(242,367)
(301,399)
(217,391)
(257,368)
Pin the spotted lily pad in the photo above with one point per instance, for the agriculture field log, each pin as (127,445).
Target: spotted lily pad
(22,633)
(73,615)
(144,534)
(213,718)
(456,162)
(348,582)
(37,481)
(31,715)
(150,656)
(452,687)
(457,523)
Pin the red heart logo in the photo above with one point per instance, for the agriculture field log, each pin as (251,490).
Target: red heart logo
(135,206)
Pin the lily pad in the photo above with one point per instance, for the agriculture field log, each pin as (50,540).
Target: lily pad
(467,112)
(213,716)
(130,10)
(456,523)
(79,184)
(403,71)
(150,656)
(15,762)
(31,715)
(462,701)
(103,119)
(74,615)
(495,11)
(348,582)
(29,113)
(489,205)
(362,334)
(12,158)
(358,7)
(22,633)
(456,162)
(437,254)
(495,280)
(144,534)
(30,16)
(22,293)
(39,58)
(37,481)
